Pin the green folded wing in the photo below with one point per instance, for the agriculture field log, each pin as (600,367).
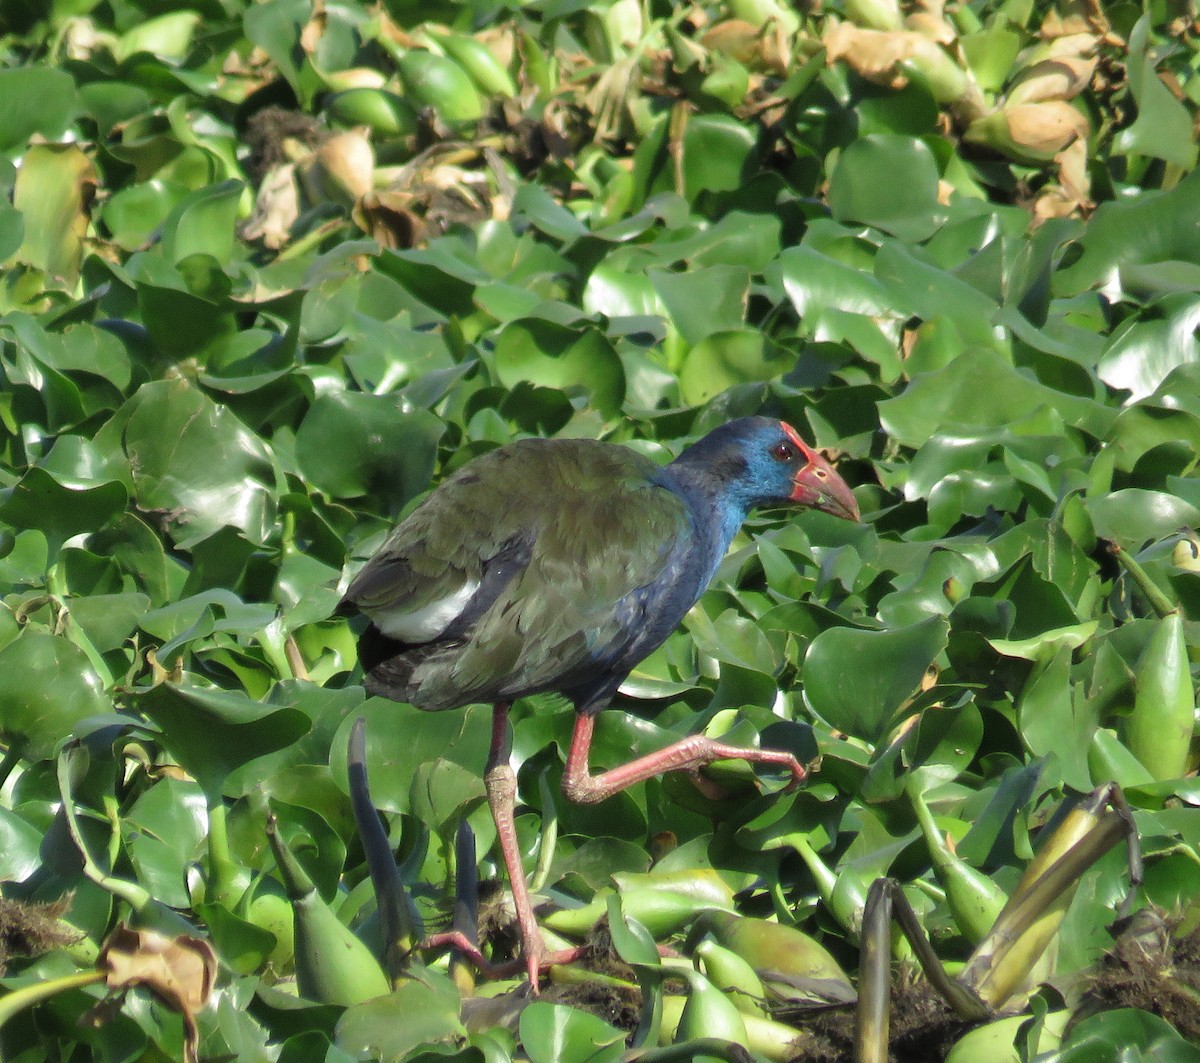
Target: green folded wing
(595,524)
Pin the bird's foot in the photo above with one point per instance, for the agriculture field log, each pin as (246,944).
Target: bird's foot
(534,963)
(456,939)
(800,773)
(534,966)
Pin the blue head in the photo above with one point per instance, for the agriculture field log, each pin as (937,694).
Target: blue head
(758,461)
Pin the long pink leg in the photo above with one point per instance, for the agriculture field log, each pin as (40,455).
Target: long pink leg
(501,786)
(689,754)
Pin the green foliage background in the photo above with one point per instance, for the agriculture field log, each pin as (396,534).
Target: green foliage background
(635,223)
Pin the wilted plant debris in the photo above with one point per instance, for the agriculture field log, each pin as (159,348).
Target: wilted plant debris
(600,954)
(30,929)
(267,133)
(604,997)
(497,923)
(922,1028)
(619,1005)
(1151,968)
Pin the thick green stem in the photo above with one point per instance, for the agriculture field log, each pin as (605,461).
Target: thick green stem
(779,901)
(1158,600)
(549,838)
(56,582)
(135,895)
(274,646)
(25,997)
(823,877)
(223,878)
(972,897)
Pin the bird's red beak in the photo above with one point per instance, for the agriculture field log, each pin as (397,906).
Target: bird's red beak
(818,486)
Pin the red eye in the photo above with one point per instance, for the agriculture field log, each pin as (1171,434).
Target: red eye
(782,452)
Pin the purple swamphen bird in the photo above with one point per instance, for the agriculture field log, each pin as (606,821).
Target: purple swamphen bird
(558,565)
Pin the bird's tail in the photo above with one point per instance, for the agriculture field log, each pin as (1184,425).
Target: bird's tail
(396,670)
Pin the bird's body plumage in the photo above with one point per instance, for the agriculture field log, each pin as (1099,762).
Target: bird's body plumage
(565,563)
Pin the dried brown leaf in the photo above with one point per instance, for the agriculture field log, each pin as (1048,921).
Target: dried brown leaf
(883,56)
(180,971)
(1045,128)
(276,208)
(387,217)
(1061,78)
(341,169)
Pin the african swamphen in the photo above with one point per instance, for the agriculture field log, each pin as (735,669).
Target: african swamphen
(558,565)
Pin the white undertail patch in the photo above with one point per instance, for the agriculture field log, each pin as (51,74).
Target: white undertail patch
(428,622)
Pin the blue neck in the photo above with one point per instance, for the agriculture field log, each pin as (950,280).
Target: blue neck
(717,514)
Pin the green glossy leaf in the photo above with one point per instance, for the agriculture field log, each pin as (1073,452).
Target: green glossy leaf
(109,619)
(1134,516)
(718,152)
(1163,126)
(577,361)
(138,210)
(930,292)
(350,445)
(1134,232)
(39,500)
(554,1032)
(1142,356)
(978,389)
(111,101)
(20,842)
(990,53)
(49,686)
(1045,643)
(12,230)
(241,944)
(702,302)
(40,99)
(203,223)
(400,738)
(889,181)
(183,323)
(441,793)
(84,349)
(168,36)
(54,191)
(726,359)
(165,829)
(1054,721)
(137,551)
(392,1025)
(857,680)
(314,842)
(815,281)
(276,29)
(197,464)
(211,732)
(1121,1035)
